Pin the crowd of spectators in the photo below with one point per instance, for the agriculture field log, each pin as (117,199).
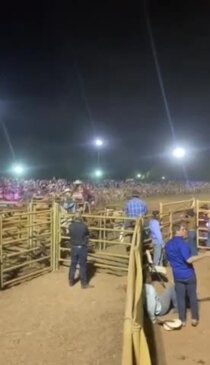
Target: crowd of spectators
(103,191)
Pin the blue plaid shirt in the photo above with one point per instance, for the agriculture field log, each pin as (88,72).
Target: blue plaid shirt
(135,207)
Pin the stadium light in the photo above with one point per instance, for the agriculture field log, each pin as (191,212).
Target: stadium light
(99,142)
(138,176)
(18,169)
(163,177)
(179,152)
(98,173)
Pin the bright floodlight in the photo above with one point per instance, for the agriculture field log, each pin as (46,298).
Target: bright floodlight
(98,142)
(18,169)
(179,152)
(138,176)
(98,173)
(163,177)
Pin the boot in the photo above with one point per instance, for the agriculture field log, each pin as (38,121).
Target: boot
(87,286)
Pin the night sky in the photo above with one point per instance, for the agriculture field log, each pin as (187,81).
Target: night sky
(71,73)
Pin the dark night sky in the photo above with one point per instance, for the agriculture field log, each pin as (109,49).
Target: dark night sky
(69,74)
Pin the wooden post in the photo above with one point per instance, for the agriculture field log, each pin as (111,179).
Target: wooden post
(161,209)
(197,223)
(56,236)
(171,223)
(1,255)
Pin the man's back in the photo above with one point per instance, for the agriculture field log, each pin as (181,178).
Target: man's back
(135,207)
(78,233)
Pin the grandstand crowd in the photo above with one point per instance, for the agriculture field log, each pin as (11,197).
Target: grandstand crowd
(101,192)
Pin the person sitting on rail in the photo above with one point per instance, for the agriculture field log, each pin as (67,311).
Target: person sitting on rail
(155,304)
(157,238)
(77,194)
(68,202)
(179,256)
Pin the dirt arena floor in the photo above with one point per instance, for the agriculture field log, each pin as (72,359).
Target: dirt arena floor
(190,345)
(45,322)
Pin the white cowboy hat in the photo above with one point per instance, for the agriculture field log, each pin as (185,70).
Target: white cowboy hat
(77,182)
(172,324)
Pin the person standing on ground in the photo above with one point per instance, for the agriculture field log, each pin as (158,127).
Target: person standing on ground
(79,233)
(157,238)
(179,256)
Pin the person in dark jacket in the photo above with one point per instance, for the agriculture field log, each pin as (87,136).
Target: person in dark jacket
(79,233)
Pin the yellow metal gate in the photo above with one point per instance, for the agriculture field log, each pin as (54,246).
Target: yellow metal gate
(25,244)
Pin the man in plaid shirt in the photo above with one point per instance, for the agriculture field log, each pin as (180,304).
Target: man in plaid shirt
(135,206)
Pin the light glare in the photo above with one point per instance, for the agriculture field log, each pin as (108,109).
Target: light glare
(179,152)
(98,173)
(18,169)
(99,142)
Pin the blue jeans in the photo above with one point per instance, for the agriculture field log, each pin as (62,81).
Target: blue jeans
(192,242)
(168,300)
(157,253)
(78,255)
(187,287)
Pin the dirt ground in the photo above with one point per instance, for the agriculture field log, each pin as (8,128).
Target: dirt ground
(190,345)
(44,322)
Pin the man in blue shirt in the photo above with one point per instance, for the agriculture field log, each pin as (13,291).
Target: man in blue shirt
(157,239)
(135,206)
(133,209)
(179,255)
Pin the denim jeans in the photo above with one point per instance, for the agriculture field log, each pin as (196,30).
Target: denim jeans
(157,253)
(168,300)
(78,255)
(192,242)
(187,287)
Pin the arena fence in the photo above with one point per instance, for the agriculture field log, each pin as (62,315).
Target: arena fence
(203,224)
(177,206)
(25,244)
(109,241)
(135,348)
(36,241)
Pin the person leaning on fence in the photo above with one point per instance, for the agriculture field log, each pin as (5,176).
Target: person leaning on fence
(179,256)
(157,238)
(79,233)
(133,209)
(135,206)
(190,219)
(158,305)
